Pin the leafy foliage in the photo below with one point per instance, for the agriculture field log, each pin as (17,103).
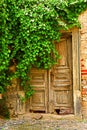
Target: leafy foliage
(28,31)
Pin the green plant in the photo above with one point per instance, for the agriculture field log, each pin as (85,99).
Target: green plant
(28,31)
(1,90)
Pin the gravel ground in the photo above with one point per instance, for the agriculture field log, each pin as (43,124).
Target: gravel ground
(44,122)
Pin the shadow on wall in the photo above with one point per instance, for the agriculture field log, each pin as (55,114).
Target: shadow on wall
(4,112)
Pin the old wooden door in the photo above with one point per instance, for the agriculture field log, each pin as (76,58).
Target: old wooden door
(38,102)
(61,79)
(53,88)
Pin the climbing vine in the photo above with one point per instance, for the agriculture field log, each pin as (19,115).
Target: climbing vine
(28,31)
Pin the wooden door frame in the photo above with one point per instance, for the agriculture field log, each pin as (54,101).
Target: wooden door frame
(75,74)
(75,71)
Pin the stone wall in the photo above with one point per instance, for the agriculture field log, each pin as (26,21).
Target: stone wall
(83,58)
(14,98)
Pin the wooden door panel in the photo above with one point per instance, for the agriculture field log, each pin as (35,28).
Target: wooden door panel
(38,102)
(62,77)
(61,83)
(61,98)
(38,78)
(38,98)
(62,50)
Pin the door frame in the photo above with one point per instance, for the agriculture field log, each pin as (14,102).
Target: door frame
(76,71)
(76,76)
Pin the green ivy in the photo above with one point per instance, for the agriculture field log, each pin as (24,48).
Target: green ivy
(28,31)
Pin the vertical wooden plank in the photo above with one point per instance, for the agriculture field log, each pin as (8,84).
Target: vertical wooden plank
(38,101)
(62,50)
(61,79)
(76,72)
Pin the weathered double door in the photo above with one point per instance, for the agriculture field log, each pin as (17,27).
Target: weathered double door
(53,88)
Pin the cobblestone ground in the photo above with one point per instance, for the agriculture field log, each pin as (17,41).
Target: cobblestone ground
(46,122)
